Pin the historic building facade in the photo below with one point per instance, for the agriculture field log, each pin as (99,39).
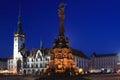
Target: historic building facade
(24,61)
(102,62)
(81,60)
(36,60)
(15,63)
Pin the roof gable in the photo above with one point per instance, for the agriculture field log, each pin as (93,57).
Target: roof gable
(39,55)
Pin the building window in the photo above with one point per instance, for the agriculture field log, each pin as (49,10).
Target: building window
(36,66)
(32,60)
(36,59)
(40,65)
(24,64)
(28,66)
(28,60)
(24,60)
(32,66)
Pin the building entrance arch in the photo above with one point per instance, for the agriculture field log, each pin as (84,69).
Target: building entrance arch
(19,66)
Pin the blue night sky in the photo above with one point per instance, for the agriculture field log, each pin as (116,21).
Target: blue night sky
(91,25)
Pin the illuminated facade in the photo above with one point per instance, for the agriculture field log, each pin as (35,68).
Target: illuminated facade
(15,63)
(61,57)
(104,61)
(81,59)
(23,61)
(34,62)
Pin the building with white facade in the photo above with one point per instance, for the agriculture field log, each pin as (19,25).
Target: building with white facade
(81,59)
(102,62)
(35,61)
(23,61)
(15,62)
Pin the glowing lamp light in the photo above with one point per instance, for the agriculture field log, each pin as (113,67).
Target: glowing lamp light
(80,70)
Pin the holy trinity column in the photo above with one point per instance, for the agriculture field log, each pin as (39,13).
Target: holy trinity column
(61,54)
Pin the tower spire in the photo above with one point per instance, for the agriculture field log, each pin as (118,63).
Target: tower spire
(41,45)
(19,31)
(61,17)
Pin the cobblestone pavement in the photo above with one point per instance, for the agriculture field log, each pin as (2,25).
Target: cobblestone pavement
(9,77)
(91,77)
(103,77)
